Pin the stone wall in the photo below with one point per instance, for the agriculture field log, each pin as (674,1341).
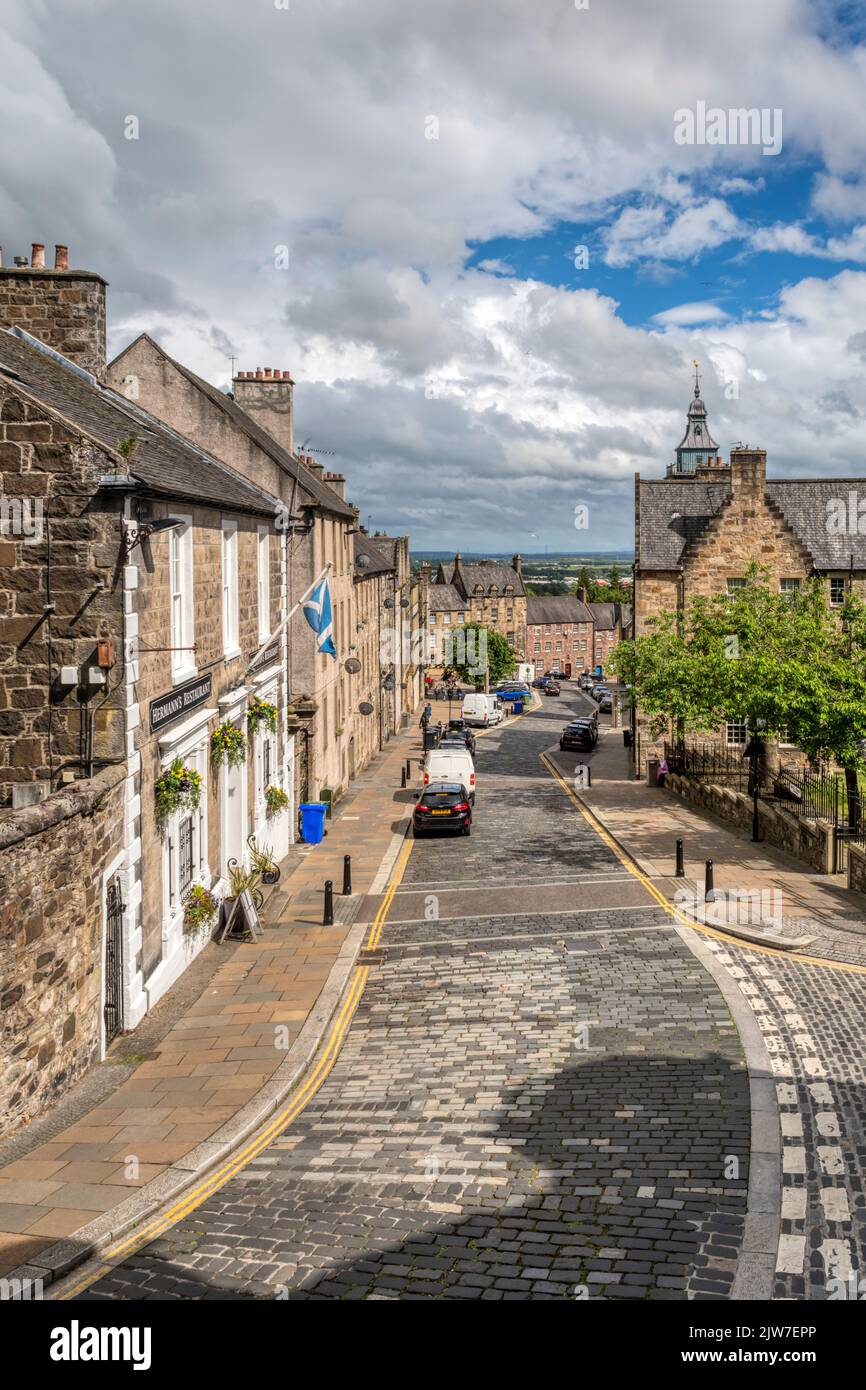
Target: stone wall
(807,840)
(63,308)
(857,867)
(52,860)
(48,477)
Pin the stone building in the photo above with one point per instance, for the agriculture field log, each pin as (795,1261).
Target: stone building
(484,592)
(698,530)
(609,620)
(252,429)
(136,590)
(376,681)
(559,633)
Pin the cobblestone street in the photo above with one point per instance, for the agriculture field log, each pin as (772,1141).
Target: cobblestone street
(542,1094)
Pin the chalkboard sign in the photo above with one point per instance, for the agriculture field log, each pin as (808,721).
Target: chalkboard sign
(243,918)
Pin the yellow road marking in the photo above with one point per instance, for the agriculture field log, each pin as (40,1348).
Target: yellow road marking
(663,902)
(156,1226)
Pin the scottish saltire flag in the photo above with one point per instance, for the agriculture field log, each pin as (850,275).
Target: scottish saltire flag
(317,611)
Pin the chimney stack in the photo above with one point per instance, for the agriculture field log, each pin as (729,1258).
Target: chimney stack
(516,563)
(36,298)
(266,396)
(748,471)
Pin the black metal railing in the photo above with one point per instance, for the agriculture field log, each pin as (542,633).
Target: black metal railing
(709,762)
(187,869)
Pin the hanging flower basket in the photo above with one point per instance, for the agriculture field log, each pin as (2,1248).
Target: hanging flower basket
(260,712)
(199,910)
(228,744)
(176,789)
(276,800)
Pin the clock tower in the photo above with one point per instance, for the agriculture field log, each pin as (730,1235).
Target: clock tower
(697,449)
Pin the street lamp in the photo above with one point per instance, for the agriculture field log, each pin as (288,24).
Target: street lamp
(754,751)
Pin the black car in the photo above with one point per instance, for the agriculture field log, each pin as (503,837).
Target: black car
(581,737)
(461,728)
(442,806)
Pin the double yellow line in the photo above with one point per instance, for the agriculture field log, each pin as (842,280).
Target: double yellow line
(194,1198)
(680,917)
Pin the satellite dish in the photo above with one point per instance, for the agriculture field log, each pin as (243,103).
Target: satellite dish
(365,707)
(388,603)
(362,562)
(404,603)
(353,665)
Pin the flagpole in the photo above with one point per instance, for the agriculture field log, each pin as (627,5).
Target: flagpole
(304,596)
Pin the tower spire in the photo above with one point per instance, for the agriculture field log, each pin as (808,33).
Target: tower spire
(697,448)
(696,364)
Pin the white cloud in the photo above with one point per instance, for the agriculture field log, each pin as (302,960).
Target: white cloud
(686,315)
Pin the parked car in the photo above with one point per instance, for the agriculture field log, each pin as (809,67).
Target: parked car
(481,710)
(590,725)
(605,702)
(540,683)
(581,737)
(559,675)
(442,806)
(597,692)
(450,765)
(459,726)
(551,689)
(512,691)
(587,682)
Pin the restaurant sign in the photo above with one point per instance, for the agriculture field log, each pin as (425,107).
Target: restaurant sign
(176,703)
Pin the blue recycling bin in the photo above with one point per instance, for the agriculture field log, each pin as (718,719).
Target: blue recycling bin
(313,821)
(518,706)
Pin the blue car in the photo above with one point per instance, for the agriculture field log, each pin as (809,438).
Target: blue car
(512,693)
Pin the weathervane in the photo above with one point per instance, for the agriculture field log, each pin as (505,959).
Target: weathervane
(696,364)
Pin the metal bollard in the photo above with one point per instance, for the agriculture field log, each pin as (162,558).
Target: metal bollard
(681,872)
(328,916)
(709,894)
(402,777)
(347,875)
(408,768)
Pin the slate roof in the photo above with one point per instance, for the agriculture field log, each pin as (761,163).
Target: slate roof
(313,485)
(604,615)
(445,598)
(556,608)
(378,563)
(164,462)
(673,513)
(489,573)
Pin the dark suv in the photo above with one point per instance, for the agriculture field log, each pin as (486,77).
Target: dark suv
(442,806)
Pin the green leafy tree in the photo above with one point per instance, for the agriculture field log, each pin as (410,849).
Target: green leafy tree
(783,663)
(584,581)
(473,648)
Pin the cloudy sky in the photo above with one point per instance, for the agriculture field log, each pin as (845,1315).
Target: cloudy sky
(501,258)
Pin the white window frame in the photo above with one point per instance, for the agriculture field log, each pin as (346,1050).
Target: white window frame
(181,601)
(229,587)
(194,752)
(837,579)
(263,580)
(789,585)
(733,729)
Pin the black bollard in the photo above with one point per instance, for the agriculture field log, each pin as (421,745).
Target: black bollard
(709,894)
(402,777)
(408,768)
(347,875)
(681,872)
(328,917)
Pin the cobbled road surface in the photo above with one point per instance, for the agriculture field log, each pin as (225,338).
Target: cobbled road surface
(542,1093)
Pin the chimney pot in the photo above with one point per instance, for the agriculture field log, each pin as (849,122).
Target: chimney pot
(61,257)
(37,255)
(259,374)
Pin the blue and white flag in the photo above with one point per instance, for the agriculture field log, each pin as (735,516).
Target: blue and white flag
(317,611)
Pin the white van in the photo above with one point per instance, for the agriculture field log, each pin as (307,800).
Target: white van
(450,765)
(482,709)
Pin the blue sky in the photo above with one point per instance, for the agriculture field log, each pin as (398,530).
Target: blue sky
(390,210)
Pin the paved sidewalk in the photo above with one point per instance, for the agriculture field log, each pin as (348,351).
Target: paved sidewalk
(222,1049)
(647,822)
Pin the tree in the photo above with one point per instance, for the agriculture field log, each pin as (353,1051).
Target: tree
(472,649)
(584,581)
(783,663)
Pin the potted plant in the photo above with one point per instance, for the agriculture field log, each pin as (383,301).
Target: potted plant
(199,910)
(228,744)
(176,789)
(241,879)
(261,712)
(263,861)
(276,800)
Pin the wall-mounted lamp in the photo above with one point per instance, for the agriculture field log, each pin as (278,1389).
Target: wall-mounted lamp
(135,532)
